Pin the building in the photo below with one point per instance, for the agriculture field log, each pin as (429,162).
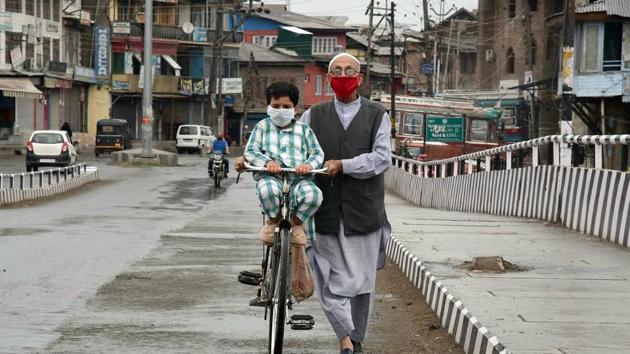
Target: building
(302,36)
(601,73)
(184,35)
(261,67)
(34,78)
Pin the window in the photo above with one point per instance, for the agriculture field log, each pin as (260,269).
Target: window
(305,77)
(508,116)
(467,63)
(511,8)
(46,51)
(56,50)
(265,41)
(30,8)
(509,65)
(212,17)
(12,40)
(318,85)
(533,5)
(46,6)
(557,7)
(197,15)
(479,130)
(553,47)
(533,54)
(329,90)
(613,36)
(123,10)
(14,5)
(30,50)
(603,47)
(412,124)
(324,45)
(55,10)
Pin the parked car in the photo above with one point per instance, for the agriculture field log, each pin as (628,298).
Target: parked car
(49,148)
(111,135)
(192,138)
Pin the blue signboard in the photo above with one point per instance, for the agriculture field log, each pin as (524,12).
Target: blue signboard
(101,53)
(200,34)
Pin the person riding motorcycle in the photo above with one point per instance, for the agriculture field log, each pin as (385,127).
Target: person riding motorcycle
(222,146)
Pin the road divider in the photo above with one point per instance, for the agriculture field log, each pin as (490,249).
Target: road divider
(21,187)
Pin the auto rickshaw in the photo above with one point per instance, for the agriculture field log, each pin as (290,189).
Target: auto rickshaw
(111,135)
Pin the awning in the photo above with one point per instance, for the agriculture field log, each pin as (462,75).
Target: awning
(19,87)
(173,64)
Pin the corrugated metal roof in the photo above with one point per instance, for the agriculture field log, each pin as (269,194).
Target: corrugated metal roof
(610,7)
(265,55)
(303,21)
(19,87)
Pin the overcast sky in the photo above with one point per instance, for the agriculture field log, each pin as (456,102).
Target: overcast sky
(355,9)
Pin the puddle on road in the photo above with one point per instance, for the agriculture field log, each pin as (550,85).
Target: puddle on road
(193,191)
(6,232)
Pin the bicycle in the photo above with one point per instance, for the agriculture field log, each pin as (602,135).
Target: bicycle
(274,282)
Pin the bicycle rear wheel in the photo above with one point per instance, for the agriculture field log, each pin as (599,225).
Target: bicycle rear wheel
(278,316)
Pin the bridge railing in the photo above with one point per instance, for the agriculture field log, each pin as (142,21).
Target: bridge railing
(453,166)
(589,200)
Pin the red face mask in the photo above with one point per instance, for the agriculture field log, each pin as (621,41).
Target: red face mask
(344,86)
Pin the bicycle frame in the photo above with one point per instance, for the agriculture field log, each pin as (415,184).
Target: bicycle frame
(273,256)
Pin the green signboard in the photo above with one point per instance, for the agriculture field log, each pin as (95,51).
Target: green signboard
(445,129)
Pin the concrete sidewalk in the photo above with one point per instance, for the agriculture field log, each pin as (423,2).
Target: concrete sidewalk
(573,297)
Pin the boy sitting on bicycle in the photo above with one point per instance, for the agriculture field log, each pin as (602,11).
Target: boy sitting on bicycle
(280,141)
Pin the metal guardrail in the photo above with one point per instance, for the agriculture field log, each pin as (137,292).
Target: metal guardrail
(41,179)
(431,168)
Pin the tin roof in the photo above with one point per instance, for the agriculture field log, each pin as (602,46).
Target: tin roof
(330,23)
(610,7)
(266,55)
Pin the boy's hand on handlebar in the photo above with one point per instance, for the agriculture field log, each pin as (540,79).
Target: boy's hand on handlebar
(303,169)
(239,165)
(273,167)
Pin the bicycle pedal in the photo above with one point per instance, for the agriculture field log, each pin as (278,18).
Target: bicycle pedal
(258,302)
(302,322)
(249,278)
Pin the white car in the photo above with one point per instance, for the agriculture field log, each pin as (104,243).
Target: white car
(49,148)
(191,137)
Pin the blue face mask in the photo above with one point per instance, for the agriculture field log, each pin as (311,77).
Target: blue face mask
(281,117)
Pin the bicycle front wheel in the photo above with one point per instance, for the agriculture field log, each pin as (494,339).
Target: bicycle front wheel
(278,316)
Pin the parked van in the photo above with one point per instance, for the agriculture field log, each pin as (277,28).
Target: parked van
(192,137)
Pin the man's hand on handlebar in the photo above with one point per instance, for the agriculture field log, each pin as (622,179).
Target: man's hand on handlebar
(303,169)
(334,167)
(273,167)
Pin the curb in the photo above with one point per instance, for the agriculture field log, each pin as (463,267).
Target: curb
(467,331)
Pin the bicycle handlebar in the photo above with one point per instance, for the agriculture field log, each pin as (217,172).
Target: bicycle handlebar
(250,168)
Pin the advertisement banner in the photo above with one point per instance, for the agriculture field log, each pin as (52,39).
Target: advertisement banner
(101,53)
(6,21)
(230,85)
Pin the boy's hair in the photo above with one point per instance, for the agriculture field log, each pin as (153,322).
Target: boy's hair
(283,89)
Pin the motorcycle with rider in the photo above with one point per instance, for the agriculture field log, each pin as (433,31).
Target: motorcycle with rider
(218,166)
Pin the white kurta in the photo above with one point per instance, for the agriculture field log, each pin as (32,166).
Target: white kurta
(345,266)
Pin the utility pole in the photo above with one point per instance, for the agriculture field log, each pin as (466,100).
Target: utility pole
(437,42)
(457,59)
(427,42)
(368,55)
(147,90)
(392,57)
(448,55)
(533,127)
(215,71)
(251,69)
(566,124)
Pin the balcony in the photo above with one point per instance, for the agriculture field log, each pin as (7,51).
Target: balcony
(122,83)
(176,33)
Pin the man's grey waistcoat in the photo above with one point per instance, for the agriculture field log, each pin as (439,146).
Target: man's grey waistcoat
(359,202)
